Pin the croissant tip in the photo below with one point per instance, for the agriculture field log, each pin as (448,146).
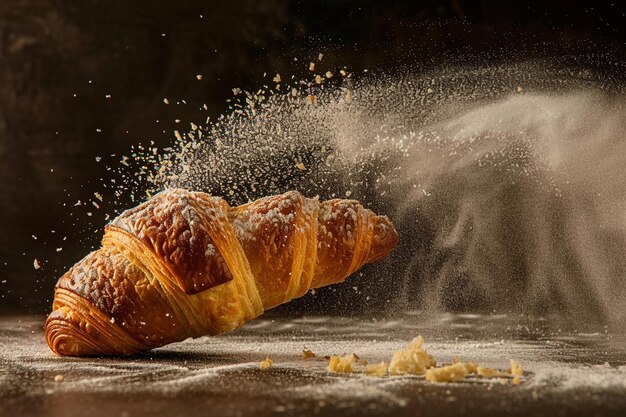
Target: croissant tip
(385,238)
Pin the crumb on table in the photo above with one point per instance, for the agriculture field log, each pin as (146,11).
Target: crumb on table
(266,364)
(342,364)
(379,370)
(447,373)
(308,354)
(413,360)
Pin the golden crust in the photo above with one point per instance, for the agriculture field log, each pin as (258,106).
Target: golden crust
(179,233)
(186,264)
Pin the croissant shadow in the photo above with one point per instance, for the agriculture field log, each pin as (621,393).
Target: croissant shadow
(165,355)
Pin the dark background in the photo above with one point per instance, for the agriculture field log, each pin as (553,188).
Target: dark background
(60,59)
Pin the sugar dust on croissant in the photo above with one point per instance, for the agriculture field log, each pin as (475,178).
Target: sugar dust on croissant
(186,264)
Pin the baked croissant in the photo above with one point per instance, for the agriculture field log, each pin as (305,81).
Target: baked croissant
(186,264)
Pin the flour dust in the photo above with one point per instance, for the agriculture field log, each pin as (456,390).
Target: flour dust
(507,184)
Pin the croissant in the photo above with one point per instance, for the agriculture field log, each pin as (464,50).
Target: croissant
(186,264)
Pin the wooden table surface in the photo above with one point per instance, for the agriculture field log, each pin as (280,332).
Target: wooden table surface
(566,372)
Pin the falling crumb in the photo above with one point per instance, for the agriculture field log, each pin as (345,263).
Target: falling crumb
(276,79)
(59,249)
(318,79)
(329,74)
(36,264)
(312,66)
(341,364)
(520,89)
(312,99)
(236,91)
(166,101)
(379,370)
(448,373)
(199,76)
(107,96)
(300,166)
(59,378)
(266,364)
(320,56)
(307,354)
(343,73)
(98,196)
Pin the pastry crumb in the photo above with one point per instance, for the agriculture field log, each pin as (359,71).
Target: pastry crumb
(379,370)
(341,364)
(266,364)
(489,372)
(308,354)
(517,372)
(59,378)
(448,373)
(413,360)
